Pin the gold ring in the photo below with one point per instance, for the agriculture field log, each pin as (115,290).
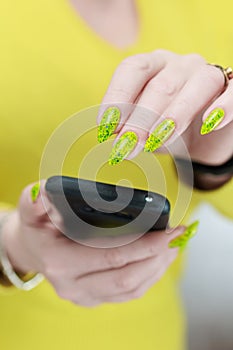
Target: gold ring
(227,72)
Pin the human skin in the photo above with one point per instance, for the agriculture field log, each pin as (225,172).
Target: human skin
(79,273)
(181,87)
(178,88)
(33,243)
(83,275)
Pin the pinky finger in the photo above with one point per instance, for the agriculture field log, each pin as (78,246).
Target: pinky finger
(220,113)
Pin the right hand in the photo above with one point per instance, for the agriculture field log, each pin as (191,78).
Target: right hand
(84,275)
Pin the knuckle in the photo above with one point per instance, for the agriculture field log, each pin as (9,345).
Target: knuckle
(114,258)
(126,282)
(164,54)
(195,57)
(212,74)
(140,62)
(163,86)
(138,293)
(161,52)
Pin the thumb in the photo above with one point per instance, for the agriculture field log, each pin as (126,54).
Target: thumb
(32,208)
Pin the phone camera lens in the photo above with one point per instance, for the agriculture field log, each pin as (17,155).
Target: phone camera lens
(148,199)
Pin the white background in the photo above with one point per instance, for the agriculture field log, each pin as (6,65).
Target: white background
(207,285)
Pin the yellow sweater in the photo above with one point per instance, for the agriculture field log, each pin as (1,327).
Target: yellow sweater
(52,65)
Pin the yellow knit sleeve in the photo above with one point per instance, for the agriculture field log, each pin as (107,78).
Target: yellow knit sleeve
(6,289)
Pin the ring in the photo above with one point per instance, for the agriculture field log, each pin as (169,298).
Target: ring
(227,72)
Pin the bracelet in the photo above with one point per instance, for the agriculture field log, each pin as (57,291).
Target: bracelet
(205,177)
(223,169)
(9,276)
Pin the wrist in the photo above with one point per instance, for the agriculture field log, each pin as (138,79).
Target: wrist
(13,243)
(13,266)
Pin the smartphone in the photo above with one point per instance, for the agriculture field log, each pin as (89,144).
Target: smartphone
(97,209)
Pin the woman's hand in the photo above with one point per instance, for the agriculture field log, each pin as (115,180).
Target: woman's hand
(178,93)
(84,275)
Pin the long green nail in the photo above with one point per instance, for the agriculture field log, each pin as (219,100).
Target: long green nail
(108,124)
(163,131)
(212,121)
(35,191)
(123,147)
(182,240)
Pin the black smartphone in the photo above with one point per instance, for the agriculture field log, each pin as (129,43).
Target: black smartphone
(96,209)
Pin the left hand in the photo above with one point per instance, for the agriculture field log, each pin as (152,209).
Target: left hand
(84,275)
(182,88)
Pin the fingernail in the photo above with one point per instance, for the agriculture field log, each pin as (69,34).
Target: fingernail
(35,192)
(182,240)
(123,147)
(163,131)
(108,123)
(212,121)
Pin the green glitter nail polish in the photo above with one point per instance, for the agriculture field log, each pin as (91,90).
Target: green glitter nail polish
(212,121)
(182,240)
(108,124)
(163,131)
(123,147)
(35,191)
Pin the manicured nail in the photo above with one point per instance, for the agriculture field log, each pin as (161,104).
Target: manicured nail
(108,123)
(35,191)
(182,240)
(123,147)
(163,131)
(212,121)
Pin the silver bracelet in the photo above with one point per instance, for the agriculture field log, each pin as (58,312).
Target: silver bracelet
(8,270)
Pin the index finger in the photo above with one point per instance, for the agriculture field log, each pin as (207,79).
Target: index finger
(127,83)
(84,260)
